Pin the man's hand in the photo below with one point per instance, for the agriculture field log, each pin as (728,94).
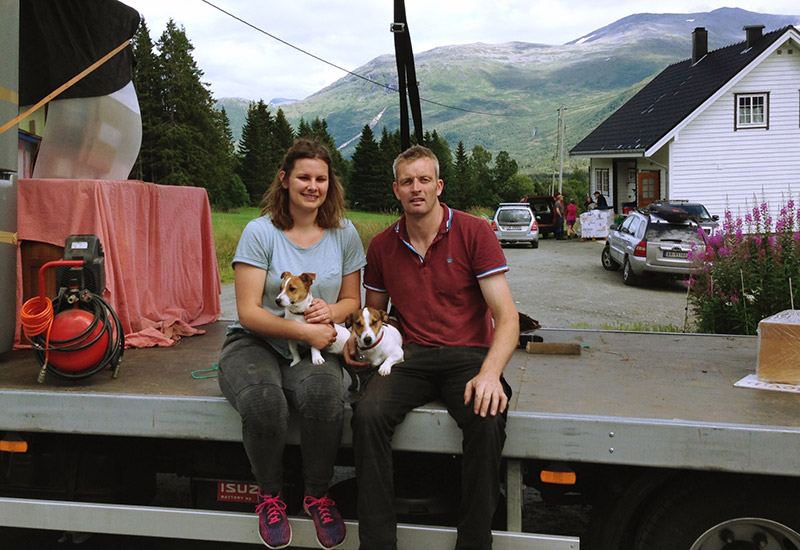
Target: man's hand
(487,394)
(350,352)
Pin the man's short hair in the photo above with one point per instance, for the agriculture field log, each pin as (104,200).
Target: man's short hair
(415,152)
(596,193)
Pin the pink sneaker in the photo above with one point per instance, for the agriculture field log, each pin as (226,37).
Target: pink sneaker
(273,525)
(327,520)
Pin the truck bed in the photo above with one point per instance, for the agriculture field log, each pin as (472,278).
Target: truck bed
(650,399)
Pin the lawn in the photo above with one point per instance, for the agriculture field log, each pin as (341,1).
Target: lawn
(228,228)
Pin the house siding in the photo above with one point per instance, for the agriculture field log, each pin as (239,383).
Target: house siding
(726,169)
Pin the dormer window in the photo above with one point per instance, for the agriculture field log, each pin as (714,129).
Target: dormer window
(752,111)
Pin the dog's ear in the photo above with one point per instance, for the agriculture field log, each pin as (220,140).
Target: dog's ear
(348,321)
(384,317)
(308,278)
(285,274)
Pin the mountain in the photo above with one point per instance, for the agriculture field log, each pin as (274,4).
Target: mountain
(506,96)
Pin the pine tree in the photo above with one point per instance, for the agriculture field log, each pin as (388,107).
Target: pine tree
(147,83)
(456,191)
(256,151)
(319,132)
(228,192)
(190,150)
(283,136)
(369,190)
(481,189)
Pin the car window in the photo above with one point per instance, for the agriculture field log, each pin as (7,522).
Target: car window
(634,225)
(673,232)
(626,225)
(518,215)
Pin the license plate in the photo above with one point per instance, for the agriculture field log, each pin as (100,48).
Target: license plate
(675,254)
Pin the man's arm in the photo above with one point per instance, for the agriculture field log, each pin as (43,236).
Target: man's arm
(485,390)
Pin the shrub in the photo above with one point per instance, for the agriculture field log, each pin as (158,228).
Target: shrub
(747,271)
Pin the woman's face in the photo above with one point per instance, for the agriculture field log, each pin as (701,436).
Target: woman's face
(307,184)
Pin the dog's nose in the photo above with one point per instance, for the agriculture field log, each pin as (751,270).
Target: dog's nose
(278,302)
(367,340)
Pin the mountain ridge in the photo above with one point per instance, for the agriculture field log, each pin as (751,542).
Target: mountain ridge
(506,96)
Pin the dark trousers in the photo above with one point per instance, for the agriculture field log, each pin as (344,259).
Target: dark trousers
(425,375)
(261,386)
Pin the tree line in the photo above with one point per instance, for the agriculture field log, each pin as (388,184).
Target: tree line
(186,140)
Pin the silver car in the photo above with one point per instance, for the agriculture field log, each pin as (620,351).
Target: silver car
(648,244)
(514,222)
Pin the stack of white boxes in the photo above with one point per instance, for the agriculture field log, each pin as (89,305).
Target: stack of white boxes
(595,223)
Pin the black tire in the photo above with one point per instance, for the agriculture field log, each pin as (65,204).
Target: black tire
(717,514)
(535,244)
(608,262)
(628,276)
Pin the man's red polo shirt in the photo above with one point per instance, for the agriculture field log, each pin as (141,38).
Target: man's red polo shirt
(437,299)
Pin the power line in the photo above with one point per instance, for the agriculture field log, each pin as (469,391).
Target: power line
(386,86)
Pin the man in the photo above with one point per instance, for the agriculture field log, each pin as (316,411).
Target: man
(600,200)
(444,272)
(558,207)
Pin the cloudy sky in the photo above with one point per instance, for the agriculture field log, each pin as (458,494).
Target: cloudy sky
(239,61)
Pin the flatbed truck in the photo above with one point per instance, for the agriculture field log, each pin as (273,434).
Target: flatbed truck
(647,428)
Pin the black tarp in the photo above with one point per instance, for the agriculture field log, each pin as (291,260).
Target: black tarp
(61,38)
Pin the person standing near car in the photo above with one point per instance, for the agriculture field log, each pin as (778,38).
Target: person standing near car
(572,215)
(559,211)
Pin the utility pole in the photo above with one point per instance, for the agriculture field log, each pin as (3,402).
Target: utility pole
(562,130)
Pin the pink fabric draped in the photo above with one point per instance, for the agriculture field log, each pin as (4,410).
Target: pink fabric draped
(162,277)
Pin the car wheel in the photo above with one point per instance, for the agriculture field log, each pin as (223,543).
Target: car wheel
(534,244)
(608,262)
(628,276)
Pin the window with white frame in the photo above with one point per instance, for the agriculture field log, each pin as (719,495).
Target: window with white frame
(601,180)
(752,110)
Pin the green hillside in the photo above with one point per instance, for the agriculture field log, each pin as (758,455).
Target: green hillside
(506,96)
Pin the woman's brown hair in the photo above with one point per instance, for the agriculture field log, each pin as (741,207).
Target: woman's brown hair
(276,198)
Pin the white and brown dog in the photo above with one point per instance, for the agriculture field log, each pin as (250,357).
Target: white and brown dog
(295,297)
(376,340)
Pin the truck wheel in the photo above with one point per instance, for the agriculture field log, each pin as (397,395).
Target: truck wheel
(731,515)
(628,276)
(608,262)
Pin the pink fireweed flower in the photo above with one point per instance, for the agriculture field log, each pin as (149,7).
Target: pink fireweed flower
(748,218)
(739,234)
(796,237)
(728,215)
(756,214)
(790,204)
(734,299)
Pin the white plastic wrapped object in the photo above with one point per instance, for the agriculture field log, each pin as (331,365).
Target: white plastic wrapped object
(91,137)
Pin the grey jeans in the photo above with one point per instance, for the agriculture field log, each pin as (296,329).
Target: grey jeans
(261,386)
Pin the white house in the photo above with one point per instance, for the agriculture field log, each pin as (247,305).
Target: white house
(721,128)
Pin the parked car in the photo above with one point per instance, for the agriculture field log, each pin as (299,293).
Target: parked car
(647,244)
(514,222)
(696,210)
(543,208)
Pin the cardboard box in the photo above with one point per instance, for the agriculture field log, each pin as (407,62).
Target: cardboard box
(779,348)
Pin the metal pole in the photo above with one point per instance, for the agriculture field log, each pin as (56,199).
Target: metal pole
(562,128)
(9,109)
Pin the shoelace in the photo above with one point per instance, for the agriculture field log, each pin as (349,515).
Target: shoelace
(275,508)
(323,503)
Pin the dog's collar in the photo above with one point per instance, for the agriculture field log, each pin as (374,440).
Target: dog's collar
(378,341)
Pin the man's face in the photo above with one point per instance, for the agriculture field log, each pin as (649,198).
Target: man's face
(416,187)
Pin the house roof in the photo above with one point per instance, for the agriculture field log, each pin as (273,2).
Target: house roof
(670,97)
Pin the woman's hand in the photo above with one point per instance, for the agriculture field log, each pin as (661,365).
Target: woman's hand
(319,312)
(320,335)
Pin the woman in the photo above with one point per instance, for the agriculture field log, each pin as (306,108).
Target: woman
(302,229)
(572,215)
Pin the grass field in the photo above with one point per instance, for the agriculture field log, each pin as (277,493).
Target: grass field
(228,227)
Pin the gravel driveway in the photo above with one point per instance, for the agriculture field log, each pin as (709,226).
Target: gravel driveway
(561,284)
